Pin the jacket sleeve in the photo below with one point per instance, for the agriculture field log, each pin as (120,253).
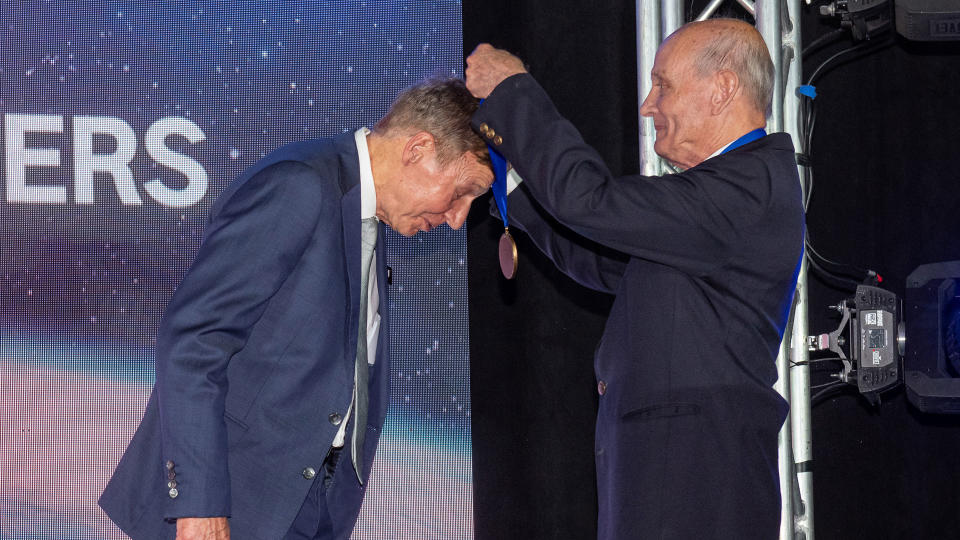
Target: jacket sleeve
(254,238)
(687,220)
(573,256)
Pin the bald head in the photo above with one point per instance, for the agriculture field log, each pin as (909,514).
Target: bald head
(733,45)
(711,83)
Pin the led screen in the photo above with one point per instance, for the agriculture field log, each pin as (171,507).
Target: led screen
(121,123)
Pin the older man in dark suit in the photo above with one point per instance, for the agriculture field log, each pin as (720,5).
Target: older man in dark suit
(272,355)
(686,440)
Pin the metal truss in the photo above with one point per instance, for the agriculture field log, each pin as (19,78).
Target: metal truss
(779,23)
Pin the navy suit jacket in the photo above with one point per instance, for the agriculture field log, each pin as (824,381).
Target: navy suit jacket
(686,440)
(255,357)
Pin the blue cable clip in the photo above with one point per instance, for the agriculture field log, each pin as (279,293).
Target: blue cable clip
(807,90)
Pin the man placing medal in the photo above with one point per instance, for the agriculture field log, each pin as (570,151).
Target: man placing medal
(686,437)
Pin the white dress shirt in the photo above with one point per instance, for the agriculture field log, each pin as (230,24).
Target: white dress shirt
(368,209)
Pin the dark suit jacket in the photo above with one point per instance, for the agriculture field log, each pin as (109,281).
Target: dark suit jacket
(255,354)
(686,441)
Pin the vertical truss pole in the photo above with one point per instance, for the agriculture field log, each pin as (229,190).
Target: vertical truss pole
(671,16)
(800,407)
(648,39)
(769,23)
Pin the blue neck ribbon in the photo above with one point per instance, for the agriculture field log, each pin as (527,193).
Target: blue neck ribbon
(499,186)
(748,138)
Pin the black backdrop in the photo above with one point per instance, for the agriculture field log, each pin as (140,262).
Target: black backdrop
(885,153)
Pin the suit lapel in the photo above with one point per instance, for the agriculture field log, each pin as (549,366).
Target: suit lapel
(350,214)
(350,211)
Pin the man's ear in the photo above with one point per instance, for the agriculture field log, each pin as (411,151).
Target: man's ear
(726,87)
(418,147)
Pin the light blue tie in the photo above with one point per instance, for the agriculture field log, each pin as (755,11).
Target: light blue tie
(368,237)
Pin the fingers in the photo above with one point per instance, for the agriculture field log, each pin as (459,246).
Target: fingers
(487,67)
(214,528)
(480,49)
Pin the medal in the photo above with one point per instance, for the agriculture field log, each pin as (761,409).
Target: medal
(507,249)
(508,255)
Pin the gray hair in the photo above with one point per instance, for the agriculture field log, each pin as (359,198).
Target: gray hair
(738,47)
(442,107)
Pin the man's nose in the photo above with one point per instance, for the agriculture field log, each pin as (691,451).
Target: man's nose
(647,108)
(456,216)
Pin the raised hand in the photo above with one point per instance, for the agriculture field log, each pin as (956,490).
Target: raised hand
(488,66)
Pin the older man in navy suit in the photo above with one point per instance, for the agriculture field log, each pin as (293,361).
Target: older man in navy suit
(686,439)
(272,365)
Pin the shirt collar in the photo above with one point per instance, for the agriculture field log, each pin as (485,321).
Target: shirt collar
(722,148)
(368,193)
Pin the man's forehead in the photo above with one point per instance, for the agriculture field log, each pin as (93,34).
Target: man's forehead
(478,175)
(673,57)
(469,167)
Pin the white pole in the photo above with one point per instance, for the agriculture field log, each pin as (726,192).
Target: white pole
(671,16)
(709,10)
(768,18)
(800,412)
(648,40)
(749,5)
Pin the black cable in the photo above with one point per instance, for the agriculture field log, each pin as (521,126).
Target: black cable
(809,117)
(827,390)
(827,385)
(841,269)
(818,360)
(869,46)
(806,111)
(809,106)
(822,40)
(842,282)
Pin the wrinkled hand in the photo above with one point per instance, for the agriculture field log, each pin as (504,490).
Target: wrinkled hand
(212,528)
(487,67)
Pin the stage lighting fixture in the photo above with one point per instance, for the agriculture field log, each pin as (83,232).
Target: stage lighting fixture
(928,20)
(864,18)
(932,360)
(872,330)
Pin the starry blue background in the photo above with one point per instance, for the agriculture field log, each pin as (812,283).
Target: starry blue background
(82,287)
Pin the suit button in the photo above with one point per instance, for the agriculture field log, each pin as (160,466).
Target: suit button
(498,140)
(173,493)
(484,128)
(335,419)
(169,465)
(601,388)
(309,473)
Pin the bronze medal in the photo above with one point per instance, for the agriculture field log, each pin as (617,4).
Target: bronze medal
(508,255)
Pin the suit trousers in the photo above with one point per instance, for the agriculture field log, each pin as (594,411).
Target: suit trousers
(313,522)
